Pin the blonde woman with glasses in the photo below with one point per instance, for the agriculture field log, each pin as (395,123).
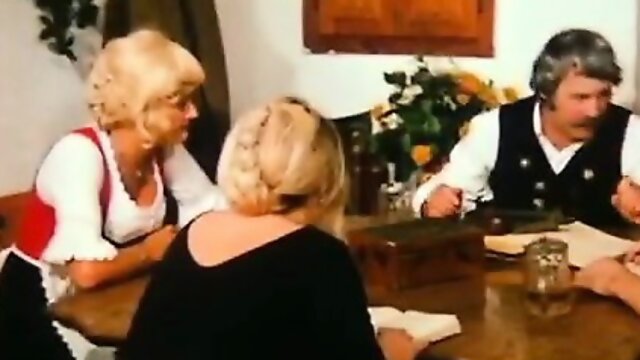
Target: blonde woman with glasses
(98,204)
(269,278)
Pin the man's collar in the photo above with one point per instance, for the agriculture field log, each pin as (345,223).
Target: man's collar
(537,120)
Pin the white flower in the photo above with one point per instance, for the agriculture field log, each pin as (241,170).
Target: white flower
(393,121)
(409,93)
(414,90)
(378,121)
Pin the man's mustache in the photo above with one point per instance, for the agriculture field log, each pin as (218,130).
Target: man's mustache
(588,123)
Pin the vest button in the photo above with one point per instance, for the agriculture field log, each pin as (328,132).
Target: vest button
(588,174)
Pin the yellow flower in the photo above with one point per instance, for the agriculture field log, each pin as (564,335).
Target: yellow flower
(464,129)
(463,99)
(469,83)
(488,95)
(510,94)
(422,154)
(378,110)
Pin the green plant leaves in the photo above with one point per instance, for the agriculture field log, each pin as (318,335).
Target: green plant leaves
(58,16)
(431,116)
(394,97)
(406,142)
(397,78)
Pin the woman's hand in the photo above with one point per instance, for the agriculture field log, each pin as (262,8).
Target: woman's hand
(157,242)
(633,254)
(627,200)
(602,276)
(397,344)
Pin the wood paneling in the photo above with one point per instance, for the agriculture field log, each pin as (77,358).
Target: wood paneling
(440,27)
(355,17)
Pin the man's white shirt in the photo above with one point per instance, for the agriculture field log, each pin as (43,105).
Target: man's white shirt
(473,158)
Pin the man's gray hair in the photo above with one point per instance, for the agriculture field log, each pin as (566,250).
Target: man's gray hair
(586,51)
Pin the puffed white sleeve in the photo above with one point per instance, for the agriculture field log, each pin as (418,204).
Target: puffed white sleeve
(194,192)
(630,157)
(470,164)
(69,180)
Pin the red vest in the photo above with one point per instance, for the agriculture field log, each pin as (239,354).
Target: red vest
(39,221)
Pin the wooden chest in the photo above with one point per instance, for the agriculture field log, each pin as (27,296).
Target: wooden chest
(417,252)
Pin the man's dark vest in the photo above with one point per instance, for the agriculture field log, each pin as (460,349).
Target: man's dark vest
(523,179)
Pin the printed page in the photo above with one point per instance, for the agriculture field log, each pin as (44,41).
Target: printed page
(586,243)
(385,316)
(430,327)
(421,326)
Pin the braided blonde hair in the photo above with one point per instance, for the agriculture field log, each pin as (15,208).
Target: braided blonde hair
(134,77)
(284,158)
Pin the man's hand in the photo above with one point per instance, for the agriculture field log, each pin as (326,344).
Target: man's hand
(627,200)
(444,201)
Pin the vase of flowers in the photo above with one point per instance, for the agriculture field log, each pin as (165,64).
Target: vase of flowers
(427,113)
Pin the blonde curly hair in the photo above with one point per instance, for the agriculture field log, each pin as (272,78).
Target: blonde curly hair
(284,158)
(135,77)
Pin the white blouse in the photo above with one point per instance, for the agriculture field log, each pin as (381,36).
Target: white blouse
(70,179)
(473,158)
(76,162)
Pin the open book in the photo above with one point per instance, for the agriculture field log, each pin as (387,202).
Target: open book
(586,243)
(421,326)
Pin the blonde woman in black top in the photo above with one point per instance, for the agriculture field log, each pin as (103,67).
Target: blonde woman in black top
(269,278)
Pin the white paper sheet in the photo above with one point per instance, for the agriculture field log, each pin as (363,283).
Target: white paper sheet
(421,326)
(586,243)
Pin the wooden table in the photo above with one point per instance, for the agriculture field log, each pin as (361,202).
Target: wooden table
(491,308)
(496,324)
(104,315)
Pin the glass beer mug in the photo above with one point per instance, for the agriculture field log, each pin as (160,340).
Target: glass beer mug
(548,279)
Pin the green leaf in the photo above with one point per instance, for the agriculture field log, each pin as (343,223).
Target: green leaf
(394,97)
(432,125)
(45,20)
(435,149)
(374,145)
(421,77)
(87,15)
(412,118)
(46,33)
(426,105)
(405,167)
(397,78)
(406,143)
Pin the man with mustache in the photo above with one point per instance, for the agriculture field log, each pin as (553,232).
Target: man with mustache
(566,147)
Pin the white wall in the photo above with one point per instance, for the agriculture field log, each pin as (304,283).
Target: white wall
(265,55)
(41,95)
